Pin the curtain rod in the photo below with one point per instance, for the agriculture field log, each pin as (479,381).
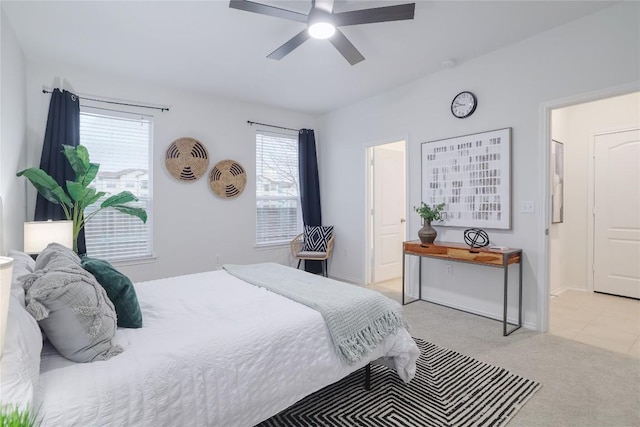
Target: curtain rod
(114,102)
(271,126)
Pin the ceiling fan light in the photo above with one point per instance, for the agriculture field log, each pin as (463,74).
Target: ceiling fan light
(322,30)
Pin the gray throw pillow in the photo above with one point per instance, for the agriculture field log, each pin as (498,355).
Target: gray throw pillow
(73,311)
(56,255)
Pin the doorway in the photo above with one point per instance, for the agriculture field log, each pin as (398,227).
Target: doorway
(386,207)
(583,239)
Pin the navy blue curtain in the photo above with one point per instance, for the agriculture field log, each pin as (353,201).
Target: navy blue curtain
(309,187)
(63,128)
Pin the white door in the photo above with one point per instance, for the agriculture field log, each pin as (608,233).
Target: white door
(616,258)
(389,210)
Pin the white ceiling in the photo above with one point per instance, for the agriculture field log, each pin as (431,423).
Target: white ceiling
(206,46)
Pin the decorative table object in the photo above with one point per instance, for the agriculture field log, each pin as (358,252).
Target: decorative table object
(428,234)
(476,237)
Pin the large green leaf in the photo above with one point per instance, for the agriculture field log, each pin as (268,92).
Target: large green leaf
(78,157)
(91,174)
(129,210)
(90,196)
(119,199)
(75,190)
(46,186)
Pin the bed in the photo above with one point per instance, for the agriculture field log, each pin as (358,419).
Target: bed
(214,351)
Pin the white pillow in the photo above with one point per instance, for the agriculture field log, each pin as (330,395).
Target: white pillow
(23,260)
(23,264)
(20,367)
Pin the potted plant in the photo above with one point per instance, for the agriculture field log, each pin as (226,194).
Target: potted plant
(428,213)
(14,416)
(78,195)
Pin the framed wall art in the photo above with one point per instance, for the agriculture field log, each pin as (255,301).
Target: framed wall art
(471,175)
(557,192)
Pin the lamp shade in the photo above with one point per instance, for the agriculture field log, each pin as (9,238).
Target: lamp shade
(6,268)
(38,234)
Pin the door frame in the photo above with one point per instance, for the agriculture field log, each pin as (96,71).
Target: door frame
(544,160)
(369,253)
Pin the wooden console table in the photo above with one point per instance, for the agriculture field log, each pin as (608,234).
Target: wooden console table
(458,252)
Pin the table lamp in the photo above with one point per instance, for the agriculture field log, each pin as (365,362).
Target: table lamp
(38,234)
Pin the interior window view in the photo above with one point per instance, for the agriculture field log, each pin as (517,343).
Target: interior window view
(266,213)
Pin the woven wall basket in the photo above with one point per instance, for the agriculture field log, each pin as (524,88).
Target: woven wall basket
(187,159)
(227,179)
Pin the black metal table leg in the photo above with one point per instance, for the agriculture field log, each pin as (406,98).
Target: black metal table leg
(520,291)
(505,268)
(419,277)
(404,302)
(367,377)
(506,332)
(403,272)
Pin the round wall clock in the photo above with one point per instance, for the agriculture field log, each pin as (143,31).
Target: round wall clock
(464,104)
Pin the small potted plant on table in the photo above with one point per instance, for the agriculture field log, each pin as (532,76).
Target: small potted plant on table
(428,213)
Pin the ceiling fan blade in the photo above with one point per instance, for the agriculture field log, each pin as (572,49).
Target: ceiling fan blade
(293,43)
(263,9)
(346,48)
(377,14)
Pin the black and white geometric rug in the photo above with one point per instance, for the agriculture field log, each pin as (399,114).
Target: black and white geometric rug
(449,389)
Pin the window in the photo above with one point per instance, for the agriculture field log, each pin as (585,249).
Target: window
(121,143)
(278,215)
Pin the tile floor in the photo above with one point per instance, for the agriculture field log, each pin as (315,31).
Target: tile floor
(601,320)
(390,285)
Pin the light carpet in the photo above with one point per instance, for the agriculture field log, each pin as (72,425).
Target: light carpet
(449,389)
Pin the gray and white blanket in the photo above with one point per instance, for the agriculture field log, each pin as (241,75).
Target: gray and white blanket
(358,319)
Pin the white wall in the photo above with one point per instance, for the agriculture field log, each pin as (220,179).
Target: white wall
(191,225)
(13,125)
(512,84)
(580,123)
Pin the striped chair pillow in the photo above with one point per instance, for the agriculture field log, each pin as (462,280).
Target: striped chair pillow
(316,237)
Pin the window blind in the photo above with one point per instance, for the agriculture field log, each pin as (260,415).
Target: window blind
(278,215)
(121,143)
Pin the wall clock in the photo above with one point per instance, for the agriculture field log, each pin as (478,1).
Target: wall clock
(464,104)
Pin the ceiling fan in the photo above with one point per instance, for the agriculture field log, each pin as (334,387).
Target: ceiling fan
(322,23)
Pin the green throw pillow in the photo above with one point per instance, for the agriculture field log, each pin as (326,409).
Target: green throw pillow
(119,290)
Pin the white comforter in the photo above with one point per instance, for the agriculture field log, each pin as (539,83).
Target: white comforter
(214,351)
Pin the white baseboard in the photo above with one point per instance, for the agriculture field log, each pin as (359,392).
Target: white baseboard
(480,313)
(563,289)
(345,279)
(559,291)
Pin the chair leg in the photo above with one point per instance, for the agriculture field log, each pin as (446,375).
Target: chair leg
(299,261)
(324,268)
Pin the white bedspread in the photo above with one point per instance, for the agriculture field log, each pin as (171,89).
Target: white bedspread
(214,351)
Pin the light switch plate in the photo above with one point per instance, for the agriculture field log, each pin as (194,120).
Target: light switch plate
(527,206)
